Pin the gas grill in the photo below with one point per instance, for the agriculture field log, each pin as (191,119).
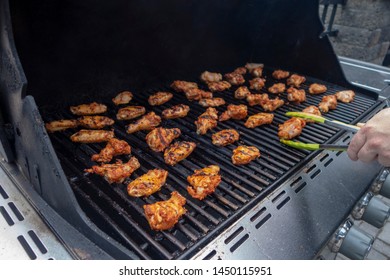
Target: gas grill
(284,205)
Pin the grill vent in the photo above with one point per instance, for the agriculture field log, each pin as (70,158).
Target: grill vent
(239,243)
(26,246)
(262,222)
(3,193)
(234,235)
(16,211)
(6,216)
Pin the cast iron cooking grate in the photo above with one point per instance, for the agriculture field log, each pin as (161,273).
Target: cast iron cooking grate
(122,217)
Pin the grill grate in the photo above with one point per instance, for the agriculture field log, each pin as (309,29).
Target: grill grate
(122,217)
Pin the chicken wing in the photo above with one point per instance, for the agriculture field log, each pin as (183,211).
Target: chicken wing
(160,138)
(256,99)
(212,102)
(328,102)
(256,72)
(208,77)
(177,111)
(235,78)
(345,96)
(219,86)
(280,74)
(312,110)
(235,112)
(245,154)
(159,98)
(88,109)
(116,172)
(178,151)
(183,86)
(259,119)
(317,88)
(225,137)
(277,88)
(61,125)
(197,94)
(251,66)
(95,122)
(296,95)
(257,83)
(147,184)
(147,122)
(204,181)
(130,112)
(123,97)
(270,105)
(206,121)
(291,128)
(163,215)
(240,70)
(242,92)
(92,136)
(295,80)
(114,147)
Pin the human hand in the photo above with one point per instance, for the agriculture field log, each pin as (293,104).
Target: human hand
(372,141)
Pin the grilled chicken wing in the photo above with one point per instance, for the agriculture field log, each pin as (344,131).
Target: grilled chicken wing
(177,111)
(271,105)
(242,92)
(280,74)
(219,86)
(256,72)
(164,215)
(147,122)
(277,88)
(198,94)
(206,121)
(259,119)
(114,147)
(256,99)
(130,112)
(123,97)
(204,181)
(234,78)
(235,112)
(208,77)
(345,96)
(240,70)
(312,110)
(178,151)
(212,102)
(147,184)
(183,86)
(296,95)
(116,172)
(92,136)
(88,109)
(95,122)
(257,83)
(317,88)
(291,128)
(225,137)
(61,125)
(159,98)
(296,80)
(251,66)
(328,102)
(245,154)
(160,138)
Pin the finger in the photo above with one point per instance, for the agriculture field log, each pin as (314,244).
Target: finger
(367,154)
(385,161)
(356,144)
(360,124)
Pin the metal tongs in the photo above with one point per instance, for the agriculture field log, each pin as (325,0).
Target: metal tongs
(319,119)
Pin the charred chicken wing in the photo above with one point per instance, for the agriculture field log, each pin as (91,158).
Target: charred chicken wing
(235,112)
(208,77)
(147,122)
(225,137)
(234,78)
(271,105)
(257,83)
(95,122)
(198,94)
(242,92)
(160,138)
(212,102)
(328,102)
(61,125)
(296,95)
(345,96)
(219,86)
(123,97)
(159,98)
(92,136)
(130,112)
(147,184)
(291,128)
(317,88)
(114,147)
(259,119)
(88,109)
(183,86)
(296,80)
(277,88)
(116,172)
(204,181)
(206,121)
(178,151)
(164,215)
(245,154)
(177,111)
(256,98)
(280,74)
